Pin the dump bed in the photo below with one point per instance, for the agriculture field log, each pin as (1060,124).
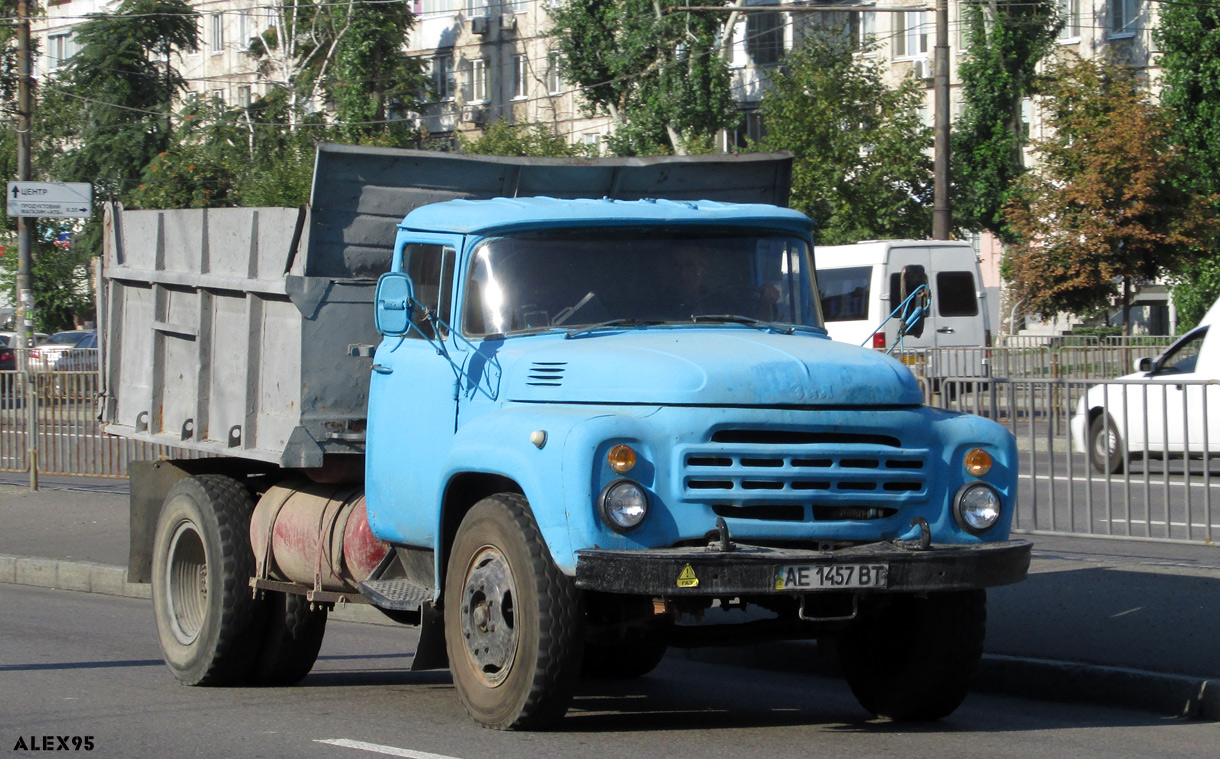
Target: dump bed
(241,331)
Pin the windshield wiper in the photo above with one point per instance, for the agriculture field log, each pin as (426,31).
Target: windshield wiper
(624,322)
(747,320)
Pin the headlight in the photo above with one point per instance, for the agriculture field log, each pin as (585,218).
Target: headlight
(623,504)
(977,507)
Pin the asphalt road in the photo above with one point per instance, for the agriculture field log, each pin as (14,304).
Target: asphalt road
(78,666)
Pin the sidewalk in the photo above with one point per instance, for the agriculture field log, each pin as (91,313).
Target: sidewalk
(1122,623)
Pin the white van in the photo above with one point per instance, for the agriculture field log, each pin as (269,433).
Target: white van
(859,287)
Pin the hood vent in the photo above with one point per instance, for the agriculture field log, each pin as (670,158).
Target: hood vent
(546,373)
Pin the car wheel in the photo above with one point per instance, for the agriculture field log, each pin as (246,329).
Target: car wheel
(1106,450)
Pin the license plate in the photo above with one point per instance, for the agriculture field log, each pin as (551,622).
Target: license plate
(832,576)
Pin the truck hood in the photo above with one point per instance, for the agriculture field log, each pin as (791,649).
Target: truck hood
(707,366)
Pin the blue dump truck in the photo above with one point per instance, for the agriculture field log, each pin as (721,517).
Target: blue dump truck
(563,419)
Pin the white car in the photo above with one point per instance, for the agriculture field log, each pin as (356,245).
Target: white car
(1169,407)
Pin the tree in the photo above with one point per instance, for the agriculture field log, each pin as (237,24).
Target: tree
(1101,210)
(502,138)
(657,74)
(1189,39)
(348,53)
(1007,39)
(110,112)
(861,168)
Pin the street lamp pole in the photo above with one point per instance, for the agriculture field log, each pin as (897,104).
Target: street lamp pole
(25,295)
(942,211)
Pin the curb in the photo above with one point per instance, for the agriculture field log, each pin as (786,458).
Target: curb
(1182,696)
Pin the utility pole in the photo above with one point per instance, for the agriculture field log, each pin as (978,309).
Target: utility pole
(942,211)
(25,294)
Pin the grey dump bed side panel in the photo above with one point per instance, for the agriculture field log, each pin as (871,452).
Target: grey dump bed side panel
(228,330)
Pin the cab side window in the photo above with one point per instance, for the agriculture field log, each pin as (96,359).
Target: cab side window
(431,270)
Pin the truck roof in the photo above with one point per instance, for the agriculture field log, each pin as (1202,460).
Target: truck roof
(506,214)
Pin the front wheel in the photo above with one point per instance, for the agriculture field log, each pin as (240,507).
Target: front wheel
(1106,450)
(512,619)
(912,660)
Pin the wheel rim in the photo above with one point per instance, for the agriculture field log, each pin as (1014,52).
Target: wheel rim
(1106,443)
(186,588)
(488,614)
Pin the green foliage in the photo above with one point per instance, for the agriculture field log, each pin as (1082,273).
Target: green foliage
(1101,209)
(1007,39)
(1189,40)
(861,167)
(658,74)
(110,110)
(200,168)
(505,139)
(61,281)
(371,77)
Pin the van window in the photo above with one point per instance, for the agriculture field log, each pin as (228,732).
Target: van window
(956,294)
(844,293)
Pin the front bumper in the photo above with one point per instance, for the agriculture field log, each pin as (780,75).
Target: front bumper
(755,570)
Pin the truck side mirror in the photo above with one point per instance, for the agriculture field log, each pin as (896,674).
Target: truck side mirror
(914,277)
(394,300)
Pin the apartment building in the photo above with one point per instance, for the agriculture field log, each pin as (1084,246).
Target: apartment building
(494,60)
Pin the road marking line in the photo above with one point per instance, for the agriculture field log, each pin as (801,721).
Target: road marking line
(380,749)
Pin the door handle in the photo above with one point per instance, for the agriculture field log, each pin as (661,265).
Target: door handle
(383,369)
(945,330)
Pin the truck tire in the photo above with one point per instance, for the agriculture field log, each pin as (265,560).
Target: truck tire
(512,619)
(624,638)
(913,661)
(209,625)
(291,640)
(1106,450)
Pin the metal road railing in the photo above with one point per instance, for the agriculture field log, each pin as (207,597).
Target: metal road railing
(1165,488)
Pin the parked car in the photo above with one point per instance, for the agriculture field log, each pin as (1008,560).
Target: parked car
(1165,408)
(9,339)
(81,357)
(43,356)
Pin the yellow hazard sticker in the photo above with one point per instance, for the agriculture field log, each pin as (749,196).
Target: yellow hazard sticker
(686,578)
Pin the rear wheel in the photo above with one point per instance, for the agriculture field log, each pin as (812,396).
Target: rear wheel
(291,640)
(913,659)
(209,626)
(1106,450)
(512,619)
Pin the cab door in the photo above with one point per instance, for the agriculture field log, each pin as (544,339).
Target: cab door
(413,403)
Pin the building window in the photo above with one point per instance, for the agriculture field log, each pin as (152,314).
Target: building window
(554,76)
(218,33)
(443,80)
(60,47)
(218,96)
(442,6)
(867,29)
(593,143)
(243,96)
(911,34)
(1124,16)
(245,29)
(476,7)
(520,72)
(764,37)
(478,80)
(1069,14)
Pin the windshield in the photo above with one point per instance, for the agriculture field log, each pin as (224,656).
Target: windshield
(578,278)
